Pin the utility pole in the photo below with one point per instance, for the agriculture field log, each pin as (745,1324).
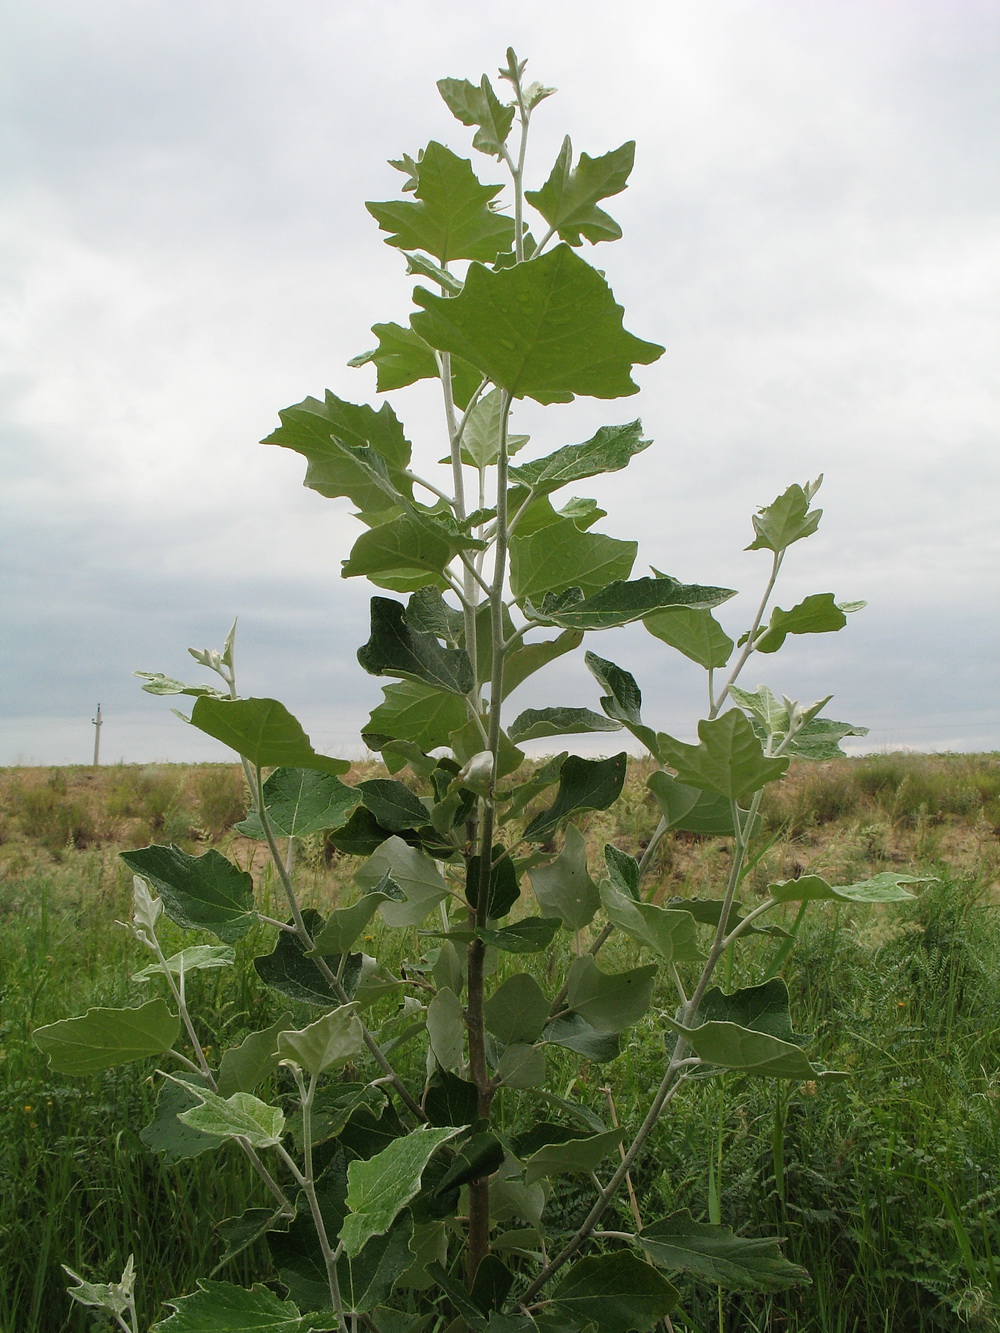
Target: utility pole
(97,736)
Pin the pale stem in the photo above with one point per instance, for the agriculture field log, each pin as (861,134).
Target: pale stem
(748,647)
(306,1096)
(633,1201)
(673,1079)
(331,978)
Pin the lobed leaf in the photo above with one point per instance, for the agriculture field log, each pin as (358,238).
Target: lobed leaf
(452,215)
(300,801)
(263,731)
(560,556)
(379,1188)
(479,106)
(568,199)
(621,603)
(885,887)
(103,1038)
(584,784)
(786,520)
(220,1307)
(548,329)
(343,443)
(618,1292)
(240,1115)
(717,1255)
(535,723)
(693,631)
(564,888)
(609,450)
(729,760)
(204,892)
(397,648)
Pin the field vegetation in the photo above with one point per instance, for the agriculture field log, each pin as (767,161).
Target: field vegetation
(887,1186)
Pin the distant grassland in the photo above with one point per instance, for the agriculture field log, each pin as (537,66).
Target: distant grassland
(887,1186)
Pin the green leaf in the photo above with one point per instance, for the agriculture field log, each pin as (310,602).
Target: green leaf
(402,358)
(330,1043)
(371,1276)
(728,761)
(477,1156)
(761,1008)
(393,804)
(291,972)
(735,1047)
(412,711)
(609,450)
(450,1100)
(158,683)
(532,934)
(263,731)
(244,1066)
(428,613)
(481,436)
(481,107)
(452,217)
(576,1155)
(561,556)
(343,444)
(344,925)
(413,872)
(576,1034)
(564,887)
(166,1134)
(408,552)
(192,959)
(219,1307)
(379,1188)
(446,1030)
(504,887)
(522,1066)
(584,784)
(788,519)
(688,809)
(516,1012)
(609,1002)
(669,933)
(547,329)
(885,887)
(300,801)
(820,739)
(531,657)
(199,892)
(521,796)
(708,912)
(618,1292)
(239,1116)
(717,1255)
(396,648)
(568,199)
(535,723)
(467,742)
(621,603)
(103,1038)
(623,870)
(624,699)
(818,614)
(694,632)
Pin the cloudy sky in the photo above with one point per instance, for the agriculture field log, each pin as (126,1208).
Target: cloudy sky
(811,230)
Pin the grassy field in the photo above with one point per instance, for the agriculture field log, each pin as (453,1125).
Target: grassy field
(887,1185)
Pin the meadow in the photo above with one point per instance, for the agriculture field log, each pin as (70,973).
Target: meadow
(887,1185)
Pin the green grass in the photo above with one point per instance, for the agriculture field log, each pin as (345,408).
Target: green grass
(887,1186)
